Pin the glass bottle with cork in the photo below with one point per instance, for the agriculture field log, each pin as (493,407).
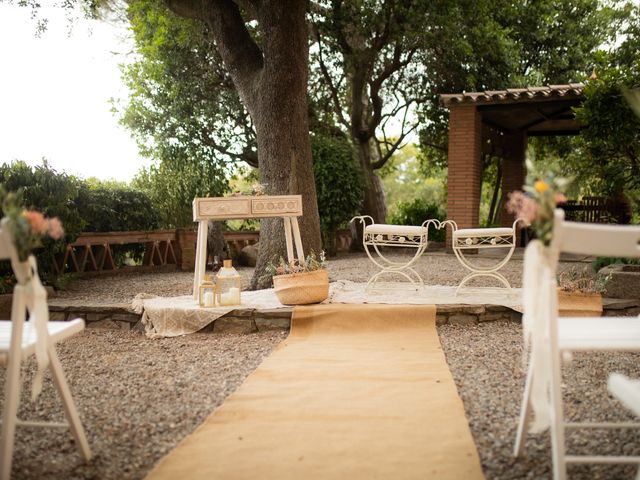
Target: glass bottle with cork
(228,285)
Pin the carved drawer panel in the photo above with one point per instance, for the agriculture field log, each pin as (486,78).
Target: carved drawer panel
(224,207)
(276,205)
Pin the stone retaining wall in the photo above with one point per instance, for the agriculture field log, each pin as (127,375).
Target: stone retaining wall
(251,320)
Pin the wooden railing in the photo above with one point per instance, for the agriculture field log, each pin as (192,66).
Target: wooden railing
(93,251)
(594,210)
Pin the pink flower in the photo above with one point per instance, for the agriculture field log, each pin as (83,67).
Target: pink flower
(38,223)
(522,206)
(55,228)
(560,198)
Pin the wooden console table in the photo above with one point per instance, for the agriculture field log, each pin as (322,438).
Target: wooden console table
(289,207)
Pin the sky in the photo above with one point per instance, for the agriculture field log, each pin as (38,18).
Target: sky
(55,91)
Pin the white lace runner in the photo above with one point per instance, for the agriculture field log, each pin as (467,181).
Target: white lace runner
(173,316)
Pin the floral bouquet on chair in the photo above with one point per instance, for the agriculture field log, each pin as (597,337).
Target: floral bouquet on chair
(28,227)
(537,203)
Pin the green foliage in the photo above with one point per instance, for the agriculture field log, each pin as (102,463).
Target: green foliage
(339,186)
(172,188)
(44,189)
(182,105)
(115,208)
(404,179)
(611,142)
(416,212)
(601,262)
(81,205)
(516,44)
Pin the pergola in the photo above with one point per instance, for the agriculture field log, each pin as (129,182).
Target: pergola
(499,123)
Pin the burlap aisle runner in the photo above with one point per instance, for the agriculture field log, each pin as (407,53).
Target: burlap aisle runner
(356,391)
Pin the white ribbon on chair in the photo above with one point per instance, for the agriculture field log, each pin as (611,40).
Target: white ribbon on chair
(36,302)
(539,304)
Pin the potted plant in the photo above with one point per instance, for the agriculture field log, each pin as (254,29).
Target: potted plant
(580,292)
(300,283)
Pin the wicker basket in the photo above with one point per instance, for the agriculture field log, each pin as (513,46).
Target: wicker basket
(577,304)
(302,288)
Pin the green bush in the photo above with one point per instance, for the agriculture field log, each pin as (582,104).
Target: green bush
(601,262)
(81,206)
(44,189)
(339,185)
(416,212)
(172,188)
(114,207)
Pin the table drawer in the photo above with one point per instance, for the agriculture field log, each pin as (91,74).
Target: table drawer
(223,208)
(281,205)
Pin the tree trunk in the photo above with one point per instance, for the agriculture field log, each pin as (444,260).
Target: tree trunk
(280,116)
(374,203)
(271,80)
(216,246)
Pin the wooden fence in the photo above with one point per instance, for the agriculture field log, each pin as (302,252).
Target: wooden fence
(93,251)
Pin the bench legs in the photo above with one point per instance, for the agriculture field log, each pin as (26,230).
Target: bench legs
(477,271)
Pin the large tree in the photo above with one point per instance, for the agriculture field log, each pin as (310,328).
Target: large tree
(269,69)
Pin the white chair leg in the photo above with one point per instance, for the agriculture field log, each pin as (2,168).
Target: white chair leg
(9,417)
(69,407)
(13,384)
(525,413)
(558,447)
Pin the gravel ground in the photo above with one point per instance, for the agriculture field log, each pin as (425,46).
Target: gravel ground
(435,268)
(139,397)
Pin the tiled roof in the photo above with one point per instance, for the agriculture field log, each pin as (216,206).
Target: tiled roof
(513,94)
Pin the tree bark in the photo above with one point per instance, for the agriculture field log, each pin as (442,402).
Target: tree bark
(271,79)
(374,203)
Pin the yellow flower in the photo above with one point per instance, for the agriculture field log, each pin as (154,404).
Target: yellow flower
(541,186)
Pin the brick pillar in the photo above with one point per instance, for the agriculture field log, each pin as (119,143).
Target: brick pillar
(186,248)
(464,173)
(514,173)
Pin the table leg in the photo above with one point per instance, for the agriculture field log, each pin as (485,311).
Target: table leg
(201,256)
(287,237)
(297,238)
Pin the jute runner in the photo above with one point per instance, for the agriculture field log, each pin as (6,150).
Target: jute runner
(356,391)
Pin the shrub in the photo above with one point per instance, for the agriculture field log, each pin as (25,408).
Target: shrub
(44,189)
(339,185)
(115,207)
(416,212)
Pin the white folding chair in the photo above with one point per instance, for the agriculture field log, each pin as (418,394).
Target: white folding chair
(551,336)
(18,340)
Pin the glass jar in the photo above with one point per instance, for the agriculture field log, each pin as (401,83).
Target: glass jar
(206,292)
(228,285)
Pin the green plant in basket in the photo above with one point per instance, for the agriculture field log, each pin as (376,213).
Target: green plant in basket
(583,280)
(310,264)
(300,283)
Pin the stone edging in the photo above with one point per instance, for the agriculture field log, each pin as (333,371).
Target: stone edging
(250,320)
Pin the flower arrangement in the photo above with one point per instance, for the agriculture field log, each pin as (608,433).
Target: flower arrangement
(257,189)
(538,201)
(583,280)
(311,264)
(28,227)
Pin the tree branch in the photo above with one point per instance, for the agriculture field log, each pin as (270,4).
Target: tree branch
(241,55)
(332,88)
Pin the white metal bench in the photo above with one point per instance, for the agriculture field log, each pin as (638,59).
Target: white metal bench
(466,239)
(377,235)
